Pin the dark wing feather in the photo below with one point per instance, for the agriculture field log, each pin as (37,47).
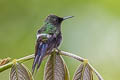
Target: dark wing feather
(40,52)
(43,53)
(37,55)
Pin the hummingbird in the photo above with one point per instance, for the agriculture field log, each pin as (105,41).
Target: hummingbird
(48,38)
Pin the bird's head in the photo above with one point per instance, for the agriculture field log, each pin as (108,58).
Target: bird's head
(55,20)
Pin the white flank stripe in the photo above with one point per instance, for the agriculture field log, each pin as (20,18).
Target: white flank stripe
(47,35)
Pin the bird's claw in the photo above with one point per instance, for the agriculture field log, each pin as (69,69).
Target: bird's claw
(58,50)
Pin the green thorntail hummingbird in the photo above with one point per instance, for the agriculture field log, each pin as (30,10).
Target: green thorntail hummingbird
(48,38)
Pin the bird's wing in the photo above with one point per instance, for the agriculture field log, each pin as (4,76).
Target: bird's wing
(42,43)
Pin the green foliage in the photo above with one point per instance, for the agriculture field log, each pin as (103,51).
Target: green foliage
(55,68)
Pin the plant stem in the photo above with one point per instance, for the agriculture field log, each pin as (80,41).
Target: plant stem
(72,55)
(21,60)
(95,71)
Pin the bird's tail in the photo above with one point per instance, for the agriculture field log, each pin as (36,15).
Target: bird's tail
(41,52)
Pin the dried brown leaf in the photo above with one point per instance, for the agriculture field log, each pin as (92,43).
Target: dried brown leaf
(4,61)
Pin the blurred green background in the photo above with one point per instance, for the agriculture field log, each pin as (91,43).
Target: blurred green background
(93,33)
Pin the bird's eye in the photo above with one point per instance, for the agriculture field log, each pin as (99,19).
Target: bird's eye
(56,20)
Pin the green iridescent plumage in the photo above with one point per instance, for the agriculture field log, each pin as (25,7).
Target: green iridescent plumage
(49,28)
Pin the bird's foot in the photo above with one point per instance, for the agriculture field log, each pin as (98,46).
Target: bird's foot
(58,50)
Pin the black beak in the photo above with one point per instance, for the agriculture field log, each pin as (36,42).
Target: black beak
(64,18)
